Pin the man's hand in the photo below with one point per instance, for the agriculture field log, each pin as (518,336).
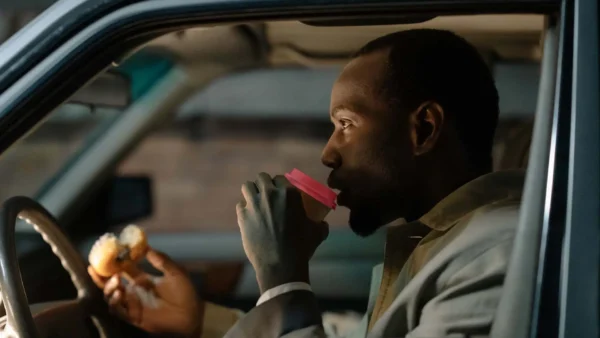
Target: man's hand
(278,237)
(174,309)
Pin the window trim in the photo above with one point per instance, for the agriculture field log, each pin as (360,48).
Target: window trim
(579,279)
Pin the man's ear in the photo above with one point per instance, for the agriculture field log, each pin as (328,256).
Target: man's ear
(426,127)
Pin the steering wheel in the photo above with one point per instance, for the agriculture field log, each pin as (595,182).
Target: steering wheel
(89,302)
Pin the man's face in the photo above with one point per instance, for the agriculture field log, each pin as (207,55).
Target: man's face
(370,152)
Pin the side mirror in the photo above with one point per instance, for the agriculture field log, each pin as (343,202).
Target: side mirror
(123,199)
(129,199)
(119,201)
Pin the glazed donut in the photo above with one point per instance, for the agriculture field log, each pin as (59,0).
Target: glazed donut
(112,255)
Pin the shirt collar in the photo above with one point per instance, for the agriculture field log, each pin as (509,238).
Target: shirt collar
(487,189)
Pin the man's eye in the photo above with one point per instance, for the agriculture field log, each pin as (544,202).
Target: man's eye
(345,124)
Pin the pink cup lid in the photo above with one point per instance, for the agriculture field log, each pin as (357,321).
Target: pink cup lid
(313,188)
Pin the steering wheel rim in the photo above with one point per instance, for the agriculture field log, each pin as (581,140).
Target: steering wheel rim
(19,318)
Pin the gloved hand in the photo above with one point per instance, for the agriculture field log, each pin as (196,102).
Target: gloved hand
(278,237)
(173,310)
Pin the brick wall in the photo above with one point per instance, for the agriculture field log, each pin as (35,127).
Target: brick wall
(197,183)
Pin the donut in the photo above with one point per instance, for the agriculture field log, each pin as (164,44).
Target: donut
(111,255)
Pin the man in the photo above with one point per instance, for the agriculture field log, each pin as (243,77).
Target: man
(414,115)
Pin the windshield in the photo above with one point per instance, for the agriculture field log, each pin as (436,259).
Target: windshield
(31,164)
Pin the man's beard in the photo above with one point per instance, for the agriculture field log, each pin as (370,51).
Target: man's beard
(373,197)
(364,221)
(367,215)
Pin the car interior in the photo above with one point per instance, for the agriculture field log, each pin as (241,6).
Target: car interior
(207,109)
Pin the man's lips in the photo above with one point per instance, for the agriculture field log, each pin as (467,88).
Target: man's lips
(333,183)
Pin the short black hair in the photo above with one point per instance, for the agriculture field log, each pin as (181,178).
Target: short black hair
(438,65)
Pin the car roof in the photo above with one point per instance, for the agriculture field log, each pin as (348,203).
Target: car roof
(504,36)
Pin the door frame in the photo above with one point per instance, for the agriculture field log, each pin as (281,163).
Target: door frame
(579,275)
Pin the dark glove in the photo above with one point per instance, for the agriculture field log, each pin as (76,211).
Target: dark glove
(278,237)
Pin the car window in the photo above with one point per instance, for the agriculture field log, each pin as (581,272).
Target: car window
(217,142)
(198,166)
(275,118)
(271,121)
(29,166)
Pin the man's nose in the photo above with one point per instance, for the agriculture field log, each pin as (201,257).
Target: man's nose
(331,157)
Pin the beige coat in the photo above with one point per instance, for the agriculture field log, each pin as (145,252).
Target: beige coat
(445,284)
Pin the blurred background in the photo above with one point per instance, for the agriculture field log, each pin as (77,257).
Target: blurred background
(220,138)
(266,116)
(208,108)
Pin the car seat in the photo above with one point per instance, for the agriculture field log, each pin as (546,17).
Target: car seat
(512,142)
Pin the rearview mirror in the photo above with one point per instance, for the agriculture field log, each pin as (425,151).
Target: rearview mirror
(109,89)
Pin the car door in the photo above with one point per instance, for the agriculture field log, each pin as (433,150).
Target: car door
(555,281)
(578,277)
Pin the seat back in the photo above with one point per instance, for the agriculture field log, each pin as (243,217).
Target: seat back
(511,148)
